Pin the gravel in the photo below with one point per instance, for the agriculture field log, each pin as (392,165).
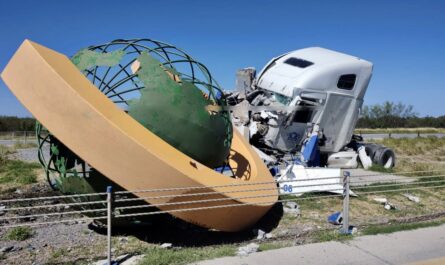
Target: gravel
(46,240)
(27,154)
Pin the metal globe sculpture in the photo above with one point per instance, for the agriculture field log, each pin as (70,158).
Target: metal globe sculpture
(140,114)
(160,86)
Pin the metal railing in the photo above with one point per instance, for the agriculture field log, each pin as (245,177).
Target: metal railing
(74,208)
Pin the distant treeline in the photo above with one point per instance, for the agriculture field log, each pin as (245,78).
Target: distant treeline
(396,115)
(386,115)
(10,124)
(399,122)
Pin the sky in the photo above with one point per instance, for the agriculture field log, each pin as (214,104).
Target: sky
(405,40)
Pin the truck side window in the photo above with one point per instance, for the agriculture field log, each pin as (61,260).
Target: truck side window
(303,116)
(346,81)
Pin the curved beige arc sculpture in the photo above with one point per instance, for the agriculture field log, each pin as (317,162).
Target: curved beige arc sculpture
(88,123)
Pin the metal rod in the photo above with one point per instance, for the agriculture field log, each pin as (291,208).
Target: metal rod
(345,227)
(109,215)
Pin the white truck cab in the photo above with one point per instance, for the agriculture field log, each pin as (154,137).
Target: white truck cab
(311,92)
(333,82)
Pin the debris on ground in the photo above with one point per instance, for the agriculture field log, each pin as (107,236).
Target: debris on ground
(6,249)
(246,250)
(352,230)
(167,245)
(291,205)
(412,198)
(386,204)
(123,240)
(269,235)
(292,208)
(335,218)
(133,260)
(260,234)
(389,206)
(381,200)
(2,209)
(119,260)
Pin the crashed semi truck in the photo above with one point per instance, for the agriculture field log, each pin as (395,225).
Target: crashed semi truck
(303,108)
(145,118)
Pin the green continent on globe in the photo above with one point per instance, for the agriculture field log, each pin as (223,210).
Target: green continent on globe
(176,112)
(85,59)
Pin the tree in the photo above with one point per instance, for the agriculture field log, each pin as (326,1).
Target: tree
(388,109)
(11,123)
(396,115)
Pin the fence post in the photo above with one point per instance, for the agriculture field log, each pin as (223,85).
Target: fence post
(345,227)
(26,134)
(109,217)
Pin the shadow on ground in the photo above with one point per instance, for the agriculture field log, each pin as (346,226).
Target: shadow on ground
(167,229)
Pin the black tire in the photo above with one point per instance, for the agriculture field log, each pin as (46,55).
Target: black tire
(370,150)
(385,157)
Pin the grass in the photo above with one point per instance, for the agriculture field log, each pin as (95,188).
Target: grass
(387,186)
(379,168)
(57,257)
(330,235)
(57,254)
(19,233)
(161,256)
(386,229)
(273,245)
(313,211)
(416,146)
(5,151)
(416,154)
(18,172)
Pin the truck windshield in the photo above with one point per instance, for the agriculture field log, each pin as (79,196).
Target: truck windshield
(282,99)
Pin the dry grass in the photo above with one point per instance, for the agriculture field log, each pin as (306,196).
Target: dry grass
(399,130)
(417,154)
(16,173)
(364,210)
(413,154)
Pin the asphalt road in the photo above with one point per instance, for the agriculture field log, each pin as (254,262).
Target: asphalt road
(421,246)
(7,142)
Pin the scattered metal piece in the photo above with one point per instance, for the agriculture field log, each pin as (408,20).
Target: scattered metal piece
(260,234)
(389,206)
(381,200)
(167,245)
(412,198)
(335,218)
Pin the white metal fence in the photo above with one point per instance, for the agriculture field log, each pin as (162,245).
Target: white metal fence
(39,211)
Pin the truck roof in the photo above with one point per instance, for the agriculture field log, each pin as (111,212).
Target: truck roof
(311,68)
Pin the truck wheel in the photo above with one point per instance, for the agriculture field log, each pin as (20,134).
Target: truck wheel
(385,157)
(371,149)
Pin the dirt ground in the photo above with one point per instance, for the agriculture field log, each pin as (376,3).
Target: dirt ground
(84,242)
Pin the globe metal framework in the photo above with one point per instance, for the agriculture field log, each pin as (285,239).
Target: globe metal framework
(121,85)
